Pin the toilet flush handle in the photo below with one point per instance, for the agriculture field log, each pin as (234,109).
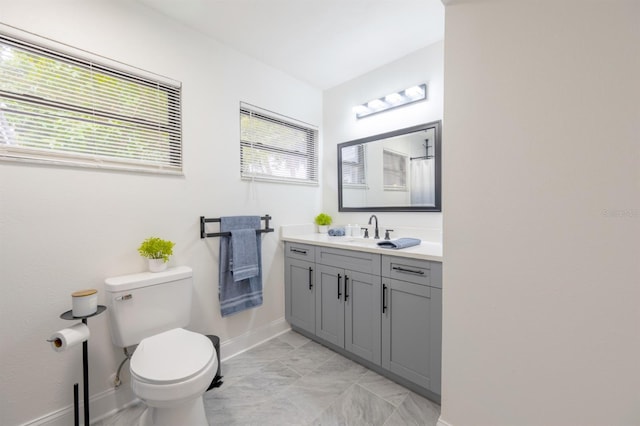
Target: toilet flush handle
(124,297)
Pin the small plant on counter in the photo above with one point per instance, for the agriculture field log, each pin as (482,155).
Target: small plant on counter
(323,219)
(156,248)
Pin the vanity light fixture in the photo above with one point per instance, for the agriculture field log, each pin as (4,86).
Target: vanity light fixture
(404,97)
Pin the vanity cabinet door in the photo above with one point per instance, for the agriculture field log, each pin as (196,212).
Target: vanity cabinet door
(362,319)
(330,304)
(300,306)
(345,313)
(412,332)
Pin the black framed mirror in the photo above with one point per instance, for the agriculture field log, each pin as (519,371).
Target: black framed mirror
(394,171)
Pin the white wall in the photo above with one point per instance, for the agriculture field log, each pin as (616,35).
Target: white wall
(340,124)
(542,214)
(64,229)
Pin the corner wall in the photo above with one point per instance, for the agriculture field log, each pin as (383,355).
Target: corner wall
(65,229)
(542,214)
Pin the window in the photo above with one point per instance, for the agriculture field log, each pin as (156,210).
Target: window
(395,171)
(277,148)
(61,109)
(353,161)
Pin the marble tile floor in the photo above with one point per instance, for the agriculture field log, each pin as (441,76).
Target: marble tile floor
(291,380)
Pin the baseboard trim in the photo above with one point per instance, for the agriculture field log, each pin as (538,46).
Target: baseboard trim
(102,406)
(109,402)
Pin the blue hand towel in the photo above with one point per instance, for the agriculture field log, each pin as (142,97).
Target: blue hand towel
(400,243)
(336,232)
(244,263)
(236,296)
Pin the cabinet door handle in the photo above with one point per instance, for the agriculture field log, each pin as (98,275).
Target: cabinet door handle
(346,288)
(408,271)
(298,251)
(384,298)
(339,278)
(310,278)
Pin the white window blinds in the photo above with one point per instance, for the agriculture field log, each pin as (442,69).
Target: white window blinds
(277,148)
(61,109)
(353,165)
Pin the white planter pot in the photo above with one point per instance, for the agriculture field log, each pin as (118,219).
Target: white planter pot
(157,265)
(323,229)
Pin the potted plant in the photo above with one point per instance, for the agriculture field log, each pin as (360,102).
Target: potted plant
(157,251)
(323,221)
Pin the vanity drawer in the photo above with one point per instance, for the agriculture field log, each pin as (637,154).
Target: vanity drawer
(300,251)
(416,271)
(359,261)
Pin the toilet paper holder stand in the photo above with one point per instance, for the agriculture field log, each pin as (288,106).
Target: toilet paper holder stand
(68,315)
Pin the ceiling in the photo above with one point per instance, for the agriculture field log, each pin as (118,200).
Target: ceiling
(322,42)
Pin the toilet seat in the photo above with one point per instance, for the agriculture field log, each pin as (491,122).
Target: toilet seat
(171,357)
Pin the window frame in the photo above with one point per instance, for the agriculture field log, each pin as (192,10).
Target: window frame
(360,164)
(310,157)
(159,142)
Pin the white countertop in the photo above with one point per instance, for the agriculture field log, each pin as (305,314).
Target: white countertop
(425,251)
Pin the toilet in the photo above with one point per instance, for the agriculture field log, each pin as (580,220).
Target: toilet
(171,367)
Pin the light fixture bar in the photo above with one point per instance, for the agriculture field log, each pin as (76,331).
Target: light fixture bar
(393,100)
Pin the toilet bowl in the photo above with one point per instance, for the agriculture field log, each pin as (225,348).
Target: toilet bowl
(171,367)
(169,373)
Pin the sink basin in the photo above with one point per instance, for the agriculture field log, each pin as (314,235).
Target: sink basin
(361,241)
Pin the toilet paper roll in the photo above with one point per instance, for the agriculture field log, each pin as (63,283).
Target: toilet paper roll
(69,337)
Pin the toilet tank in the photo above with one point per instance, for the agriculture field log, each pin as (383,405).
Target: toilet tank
(148,303)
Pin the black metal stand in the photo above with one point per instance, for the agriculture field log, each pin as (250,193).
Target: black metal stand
(85,360)
(76,419)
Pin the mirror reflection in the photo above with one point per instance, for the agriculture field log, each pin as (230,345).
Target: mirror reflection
(395,171)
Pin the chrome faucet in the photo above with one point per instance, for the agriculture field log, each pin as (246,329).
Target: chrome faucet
(377,234)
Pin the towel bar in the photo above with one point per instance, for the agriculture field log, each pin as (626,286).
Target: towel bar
(204,220)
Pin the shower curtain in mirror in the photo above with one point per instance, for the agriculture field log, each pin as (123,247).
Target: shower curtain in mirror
(422,182)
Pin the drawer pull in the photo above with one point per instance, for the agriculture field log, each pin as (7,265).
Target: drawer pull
(295,250)
(346,288)
(384,298)
(408,271)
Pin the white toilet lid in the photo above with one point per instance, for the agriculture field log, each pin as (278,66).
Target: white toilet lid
(173,356)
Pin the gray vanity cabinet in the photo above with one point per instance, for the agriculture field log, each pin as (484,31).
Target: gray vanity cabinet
(348,289)
(300,305)
(412,320)
(384,311)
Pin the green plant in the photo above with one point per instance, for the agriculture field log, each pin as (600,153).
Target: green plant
(323,219)
(156,248)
